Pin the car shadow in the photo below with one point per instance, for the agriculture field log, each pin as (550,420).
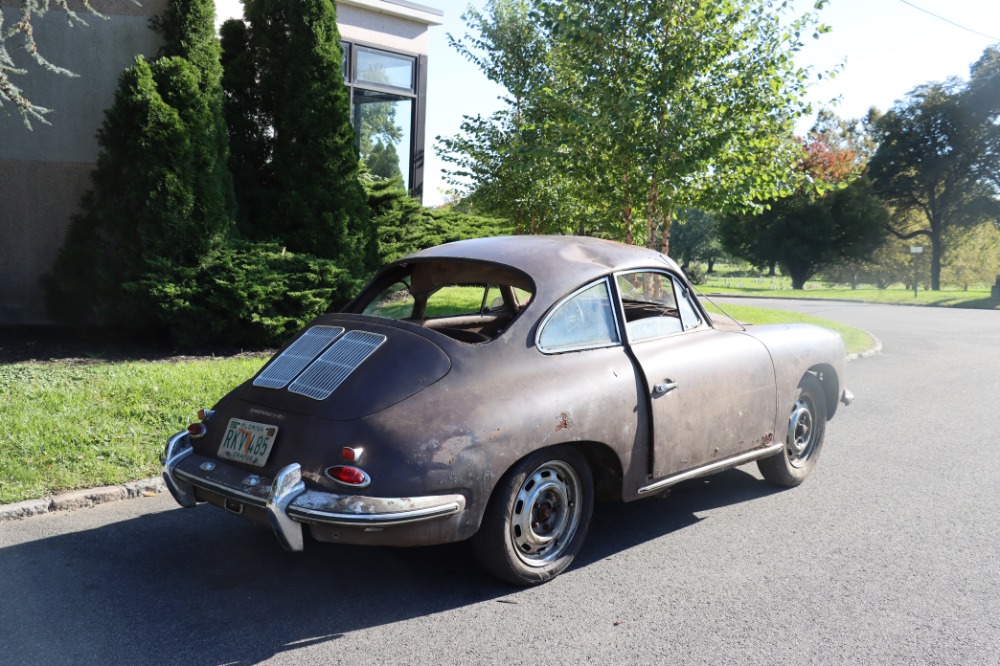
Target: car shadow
(198,586)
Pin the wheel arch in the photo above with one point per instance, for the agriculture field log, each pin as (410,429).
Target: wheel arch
(830,381)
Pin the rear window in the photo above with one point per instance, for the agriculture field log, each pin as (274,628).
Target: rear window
(472,302)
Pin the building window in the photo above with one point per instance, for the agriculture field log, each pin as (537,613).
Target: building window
(385,69)
(386,103)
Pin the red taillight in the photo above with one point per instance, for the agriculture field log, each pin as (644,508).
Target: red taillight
(349,476)
(197,430)
(205,414)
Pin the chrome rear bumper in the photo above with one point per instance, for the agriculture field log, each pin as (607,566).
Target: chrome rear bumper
(285,498)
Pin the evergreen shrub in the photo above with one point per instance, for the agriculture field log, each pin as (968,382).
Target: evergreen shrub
(248,294)
(404,226)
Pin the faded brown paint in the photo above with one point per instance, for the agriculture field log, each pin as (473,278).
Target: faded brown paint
(440,417)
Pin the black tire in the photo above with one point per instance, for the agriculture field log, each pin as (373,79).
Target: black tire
(806,427)
(537,517)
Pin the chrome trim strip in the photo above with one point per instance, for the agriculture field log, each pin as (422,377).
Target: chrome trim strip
(291,362)
(178,447)
(221,489)
(335,365)
(286,487)
(716,466)
(313,515)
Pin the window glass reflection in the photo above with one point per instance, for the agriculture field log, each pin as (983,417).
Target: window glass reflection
(384,68)
(384,123)
(586,320)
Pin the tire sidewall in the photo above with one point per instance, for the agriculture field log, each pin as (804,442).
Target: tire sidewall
(779,469)
(493,545)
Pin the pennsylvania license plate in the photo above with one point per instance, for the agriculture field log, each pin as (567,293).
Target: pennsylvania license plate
(248,442)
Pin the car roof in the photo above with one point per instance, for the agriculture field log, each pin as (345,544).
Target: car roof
(557,264)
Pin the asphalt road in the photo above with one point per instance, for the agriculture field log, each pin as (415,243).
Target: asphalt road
(889,554)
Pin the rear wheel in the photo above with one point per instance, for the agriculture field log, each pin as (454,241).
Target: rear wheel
(804,440)
(537,517)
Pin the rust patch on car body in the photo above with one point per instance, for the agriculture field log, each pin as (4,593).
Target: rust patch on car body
(565,422)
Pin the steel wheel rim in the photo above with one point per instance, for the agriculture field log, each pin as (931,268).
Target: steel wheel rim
(546,513)
(801,431)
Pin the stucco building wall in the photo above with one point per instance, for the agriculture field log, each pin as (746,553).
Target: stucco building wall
(45,171)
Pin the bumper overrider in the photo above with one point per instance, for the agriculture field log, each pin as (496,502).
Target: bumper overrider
(286,501)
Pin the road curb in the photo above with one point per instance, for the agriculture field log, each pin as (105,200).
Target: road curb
(876,348)
(81,499)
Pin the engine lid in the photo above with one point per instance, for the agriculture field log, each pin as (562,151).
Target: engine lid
(346,367)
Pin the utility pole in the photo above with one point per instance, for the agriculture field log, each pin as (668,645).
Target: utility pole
(916,251)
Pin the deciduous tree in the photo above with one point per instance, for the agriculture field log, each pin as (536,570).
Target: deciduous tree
(938,159)
(640,108)
(815,227)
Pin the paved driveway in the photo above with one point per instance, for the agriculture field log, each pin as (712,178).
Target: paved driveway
(889,554)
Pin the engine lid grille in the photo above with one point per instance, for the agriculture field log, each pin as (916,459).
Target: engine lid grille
(329,371)
(297,356)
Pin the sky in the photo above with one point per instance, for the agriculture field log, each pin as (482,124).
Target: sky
(887,47)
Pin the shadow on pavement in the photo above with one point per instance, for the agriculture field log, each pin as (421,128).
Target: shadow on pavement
(199,586)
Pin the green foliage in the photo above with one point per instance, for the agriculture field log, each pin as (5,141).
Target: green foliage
(383,161)
(938,160)
(248,294)
(973,255)
(293,152)
(404,226)
(695,237)
(623,112)
(153,197)
(188,30)
(508,163)
(804,233)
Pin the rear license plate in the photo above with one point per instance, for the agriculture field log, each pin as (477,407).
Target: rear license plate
(248,442)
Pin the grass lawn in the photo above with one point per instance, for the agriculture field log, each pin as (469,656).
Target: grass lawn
(66,426)
(69,425)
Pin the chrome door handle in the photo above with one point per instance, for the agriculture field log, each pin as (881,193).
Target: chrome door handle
(666,387)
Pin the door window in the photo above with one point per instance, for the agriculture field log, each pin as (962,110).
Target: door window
(655,305)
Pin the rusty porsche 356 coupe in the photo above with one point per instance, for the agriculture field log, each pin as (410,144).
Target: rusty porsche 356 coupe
(491,389)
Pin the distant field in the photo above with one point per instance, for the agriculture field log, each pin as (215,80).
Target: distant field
(780,287)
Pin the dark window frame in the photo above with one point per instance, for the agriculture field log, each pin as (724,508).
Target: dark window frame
(418,110)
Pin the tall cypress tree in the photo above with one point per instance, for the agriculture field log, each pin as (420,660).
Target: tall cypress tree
(302,172)
(160,189)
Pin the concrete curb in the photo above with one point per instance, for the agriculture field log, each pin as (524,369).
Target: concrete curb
(874,349)
(81,499)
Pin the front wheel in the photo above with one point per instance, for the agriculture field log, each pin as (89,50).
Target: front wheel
(537,517)
(806,426)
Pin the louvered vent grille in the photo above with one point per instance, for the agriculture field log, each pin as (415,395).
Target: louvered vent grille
(297,356)
(330,370)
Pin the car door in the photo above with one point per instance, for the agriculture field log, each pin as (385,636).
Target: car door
(711,392)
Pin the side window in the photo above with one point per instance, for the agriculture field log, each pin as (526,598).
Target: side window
(689,312)
(395,302)
(649,304)
(584,320)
